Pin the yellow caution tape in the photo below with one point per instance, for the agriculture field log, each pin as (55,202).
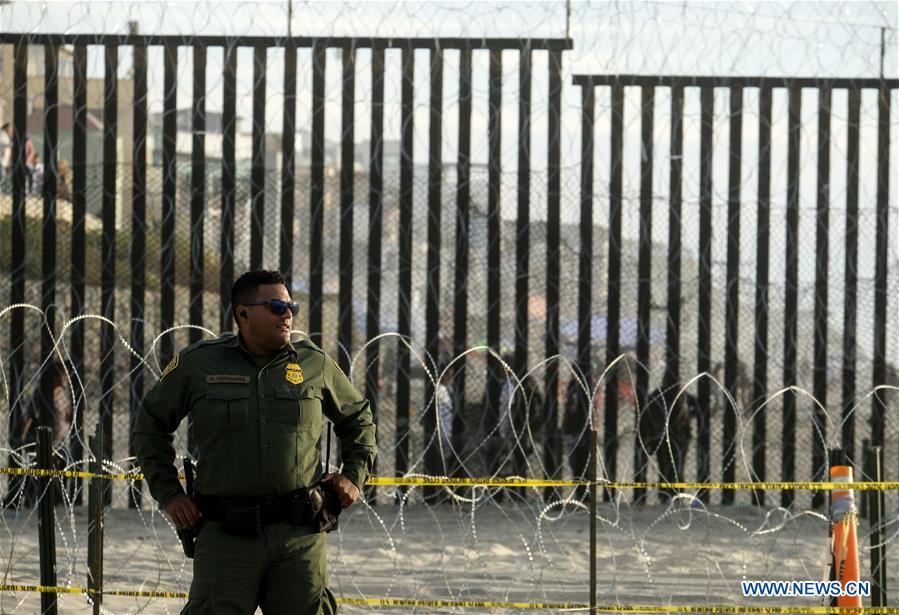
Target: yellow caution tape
(44,589)
(70,474)
(415,481)
(54,589)
(482,604)
(737,610)
(793,485)
(488,604)
(418,481)
(144,594)
(426,481)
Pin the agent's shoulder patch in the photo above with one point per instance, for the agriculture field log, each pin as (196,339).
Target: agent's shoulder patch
(170,367)
(336,365)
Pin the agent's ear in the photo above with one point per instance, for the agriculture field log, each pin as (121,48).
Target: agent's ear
(244,313)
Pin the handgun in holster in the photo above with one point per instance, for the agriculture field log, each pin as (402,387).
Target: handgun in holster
(188,536)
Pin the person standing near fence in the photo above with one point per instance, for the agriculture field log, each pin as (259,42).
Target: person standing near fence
(50,405)
(576,428)
(5,152)
(447,411)
(256,400)
(665,431)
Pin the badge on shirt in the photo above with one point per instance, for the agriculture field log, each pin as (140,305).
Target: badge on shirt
(170,367)
(294,374)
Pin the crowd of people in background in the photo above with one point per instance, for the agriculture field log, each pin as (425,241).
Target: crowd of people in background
(34,167)
(509,436)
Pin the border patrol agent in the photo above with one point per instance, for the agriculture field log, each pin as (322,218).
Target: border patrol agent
(256,401)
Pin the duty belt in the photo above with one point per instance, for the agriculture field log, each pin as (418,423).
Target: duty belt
(271,509)
(317,506)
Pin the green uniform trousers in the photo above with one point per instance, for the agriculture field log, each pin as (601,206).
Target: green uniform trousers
(284,571)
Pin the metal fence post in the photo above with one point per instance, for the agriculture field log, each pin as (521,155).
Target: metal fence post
(46,519)
(836,457)
(96,487)
(593,466)
(866,466)
(875,498)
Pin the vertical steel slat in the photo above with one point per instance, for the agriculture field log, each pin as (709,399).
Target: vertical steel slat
(791,293)
(404,299)
(345,292)
(463,203)
(108,245)
(288,185)
(48,299)
(732,307)
(257,172)
(704,361)
(433,460)
(613,301)
(49,192)
(317,193)
(873,471)
(197,210)
(585,290)
(226,239)
(18,240)
(585,261)
(138,257)
(822,248)
(523,220)
(375,228)
(553,450)
(79,203)
(850,282)
(46,519)
(644,277)
(881,255)
(198,193)
(760,355)
(169,188)
(495,371)
(672,333)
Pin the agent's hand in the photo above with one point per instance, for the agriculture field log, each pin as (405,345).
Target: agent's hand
(183,512)
(345,489)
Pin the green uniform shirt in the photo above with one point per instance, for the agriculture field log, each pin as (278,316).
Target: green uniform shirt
(257,423)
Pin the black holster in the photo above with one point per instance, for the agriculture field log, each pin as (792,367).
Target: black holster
(188,538)
(328,516)
(317,506)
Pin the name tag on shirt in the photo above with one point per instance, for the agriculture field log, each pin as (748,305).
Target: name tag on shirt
(226,379)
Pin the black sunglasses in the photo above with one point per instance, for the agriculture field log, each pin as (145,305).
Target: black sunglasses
(278,307)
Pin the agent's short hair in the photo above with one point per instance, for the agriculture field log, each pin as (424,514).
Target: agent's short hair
(246,287)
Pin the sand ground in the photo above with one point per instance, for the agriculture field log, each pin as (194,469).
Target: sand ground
(516,550)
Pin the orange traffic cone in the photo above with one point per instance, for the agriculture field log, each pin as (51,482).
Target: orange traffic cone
(844,517)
